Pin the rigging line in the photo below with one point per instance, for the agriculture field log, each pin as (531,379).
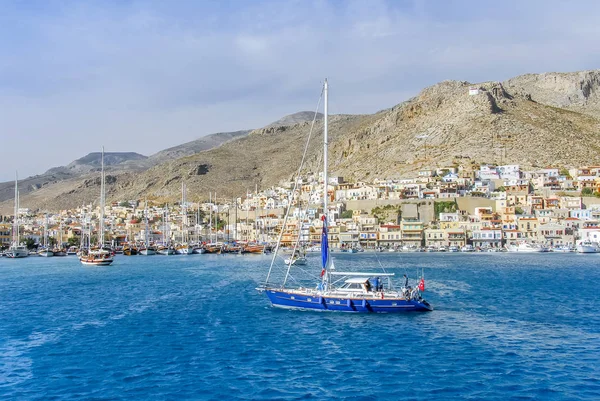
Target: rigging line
(300,226)
(294,190)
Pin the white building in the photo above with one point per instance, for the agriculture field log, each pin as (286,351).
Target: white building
(510,171)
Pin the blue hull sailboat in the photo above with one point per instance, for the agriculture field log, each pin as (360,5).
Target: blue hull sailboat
(350,291)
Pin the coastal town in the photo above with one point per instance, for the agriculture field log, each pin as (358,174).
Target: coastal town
(448,209)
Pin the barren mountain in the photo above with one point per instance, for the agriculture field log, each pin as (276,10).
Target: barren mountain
(532,120)
(199,145)
(84,170)
(296,118)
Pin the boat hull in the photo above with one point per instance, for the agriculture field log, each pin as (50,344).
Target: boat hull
(96,262)
(587,249)
(15,253)
(166,252)
(293,300)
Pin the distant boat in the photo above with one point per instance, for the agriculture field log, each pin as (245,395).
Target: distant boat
(16,250)
(588,247)
(340,291)
(563,248)
(147,250)
(98,256)
(253,248)
(45,252)
(296,259)
(184,249)
(129,250)
(526,247)
(165,250)
(467,248)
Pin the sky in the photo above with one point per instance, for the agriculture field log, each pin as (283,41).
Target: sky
(147,75)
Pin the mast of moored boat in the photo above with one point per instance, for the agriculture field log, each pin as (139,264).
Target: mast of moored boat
(235,238)
(16,220)
(101,224)
(210,217)
(216,219)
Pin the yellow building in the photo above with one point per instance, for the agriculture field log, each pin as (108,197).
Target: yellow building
(528,227)
(412,232)
(5,235)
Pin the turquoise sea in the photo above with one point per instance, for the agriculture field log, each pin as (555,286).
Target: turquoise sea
(505,326)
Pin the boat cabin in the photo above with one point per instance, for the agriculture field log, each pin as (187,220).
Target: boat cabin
(357,285)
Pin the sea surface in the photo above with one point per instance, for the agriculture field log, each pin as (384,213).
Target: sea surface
(505,327)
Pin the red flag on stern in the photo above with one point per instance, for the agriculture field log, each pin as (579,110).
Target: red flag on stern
(422,284)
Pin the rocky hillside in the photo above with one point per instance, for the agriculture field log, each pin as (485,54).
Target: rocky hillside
(93,161)
(532,120)
(578,91)
(296,118)
(81,171)
(199,145)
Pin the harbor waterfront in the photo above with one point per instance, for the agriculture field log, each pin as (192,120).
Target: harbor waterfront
(505,326)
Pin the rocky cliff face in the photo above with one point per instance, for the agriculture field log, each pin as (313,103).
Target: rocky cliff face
(532,120)
(579,91)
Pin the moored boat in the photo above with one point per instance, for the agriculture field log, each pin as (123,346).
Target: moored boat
(16,250)
(165,250)
(526,247)
(45,252)
(98,256)
(147,251)
(588,247)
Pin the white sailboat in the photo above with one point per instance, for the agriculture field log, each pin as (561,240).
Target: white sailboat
(165,248)
(339,291)
(17,250)
(184,248)
(147,250)
(98,256)
(45,251)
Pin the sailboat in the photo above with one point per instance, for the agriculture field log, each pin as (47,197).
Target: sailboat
(45,251)
(148,249)
(16,249)
(184,248)
(342,291)
(98,256)
(165,248)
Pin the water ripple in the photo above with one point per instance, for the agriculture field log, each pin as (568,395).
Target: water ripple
(192,327)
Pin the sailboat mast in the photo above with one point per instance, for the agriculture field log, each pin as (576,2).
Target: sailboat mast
(325,143)
(16,223)
(146,223)
(183,214)
(101,226)
(325,236)
(210,217)
(216,219)
(235,233)
(247,211)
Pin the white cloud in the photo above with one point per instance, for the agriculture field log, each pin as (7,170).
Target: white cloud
(145,76)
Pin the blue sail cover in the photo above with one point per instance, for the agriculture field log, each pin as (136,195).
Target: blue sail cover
(324,245)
